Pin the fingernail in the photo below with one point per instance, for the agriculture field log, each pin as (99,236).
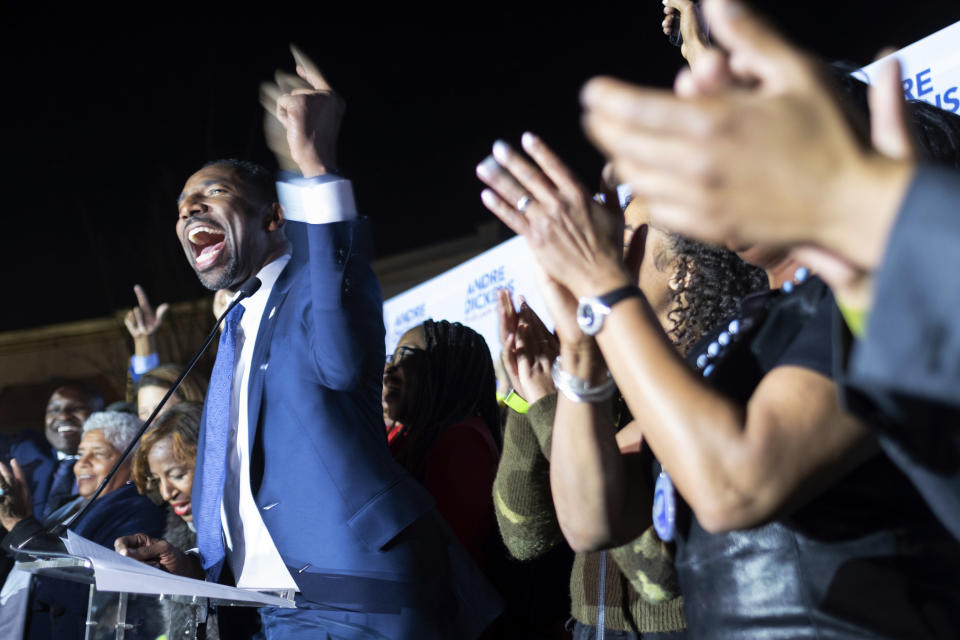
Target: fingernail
(488,167)
(488,198)
(528,139)
(501,150)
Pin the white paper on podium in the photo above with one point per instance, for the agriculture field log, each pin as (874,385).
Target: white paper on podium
(114,572)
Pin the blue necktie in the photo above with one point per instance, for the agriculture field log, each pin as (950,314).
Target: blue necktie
(61,487)
(216,434)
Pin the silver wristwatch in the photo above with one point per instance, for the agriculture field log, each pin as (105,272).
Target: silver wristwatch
(591,312)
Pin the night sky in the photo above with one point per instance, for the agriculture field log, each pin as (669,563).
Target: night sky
(106,119)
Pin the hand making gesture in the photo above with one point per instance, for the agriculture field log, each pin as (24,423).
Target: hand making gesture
(303,118)
(143,321)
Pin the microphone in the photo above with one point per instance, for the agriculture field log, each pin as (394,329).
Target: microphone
(49,540)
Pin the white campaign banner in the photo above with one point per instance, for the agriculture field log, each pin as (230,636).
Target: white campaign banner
(468,294)
(931,69)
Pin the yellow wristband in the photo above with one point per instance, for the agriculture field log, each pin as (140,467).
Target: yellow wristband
(515,402)
(856,319)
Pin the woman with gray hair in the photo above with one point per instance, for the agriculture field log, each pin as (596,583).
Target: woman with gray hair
(55,608)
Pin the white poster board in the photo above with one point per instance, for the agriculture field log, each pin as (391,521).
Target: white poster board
(468,294)
(931,69)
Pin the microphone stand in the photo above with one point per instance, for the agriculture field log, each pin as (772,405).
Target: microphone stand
(48,540)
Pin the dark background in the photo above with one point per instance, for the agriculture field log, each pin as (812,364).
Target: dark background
(107,116)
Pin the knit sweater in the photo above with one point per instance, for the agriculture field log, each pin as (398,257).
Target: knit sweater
(177,615)
(640,594)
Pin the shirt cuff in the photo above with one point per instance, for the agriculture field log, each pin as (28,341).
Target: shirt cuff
(139,365)
(320,200)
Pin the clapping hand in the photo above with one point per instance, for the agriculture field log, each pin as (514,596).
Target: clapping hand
(768,159)
(529,348)
(308,113)
(536,349)
(575,239)
(16,502)
(891,135)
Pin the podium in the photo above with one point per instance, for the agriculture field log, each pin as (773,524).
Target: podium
(125,596)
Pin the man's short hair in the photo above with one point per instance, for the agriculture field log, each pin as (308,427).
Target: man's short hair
(95,401)
(119,429)
(257,178)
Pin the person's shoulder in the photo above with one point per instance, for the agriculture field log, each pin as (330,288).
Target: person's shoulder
(128,500)
(28,443)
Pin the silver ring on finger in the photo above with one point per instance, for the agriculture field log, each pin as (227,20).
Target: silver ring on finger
(523,203)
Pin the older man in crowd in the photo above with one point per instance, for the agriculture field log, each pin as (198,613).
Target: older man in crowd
(48,464)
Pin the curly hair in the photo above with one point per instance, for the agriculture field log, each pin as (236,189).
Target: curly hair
(708,287)
(458,382)
(181,423)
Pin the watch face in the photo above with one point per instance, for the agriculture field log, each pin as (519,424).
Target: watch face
(588,319)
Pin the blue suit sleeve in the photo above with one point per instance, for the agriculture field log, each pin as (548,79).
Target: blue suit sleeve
(912,343)
(345,310)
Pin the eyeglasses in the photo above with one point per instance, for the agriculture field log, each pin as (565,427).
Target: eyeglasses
(402,353)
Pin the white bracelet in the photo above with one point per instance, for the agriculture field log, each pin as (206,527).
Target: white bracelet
(578,389)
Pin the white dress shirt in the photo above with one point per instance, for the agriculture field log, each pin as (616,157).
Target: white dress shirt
(251,552)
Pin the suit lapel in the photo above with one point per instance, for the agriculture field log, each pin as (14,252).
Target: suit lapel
(261,352)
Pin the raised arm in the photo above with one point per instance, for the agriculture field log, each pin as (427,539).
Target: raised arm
(142,322)
(346,305)
(691,28)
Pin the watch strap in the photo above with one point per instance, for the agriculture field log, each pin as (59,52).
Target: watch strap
(617,295)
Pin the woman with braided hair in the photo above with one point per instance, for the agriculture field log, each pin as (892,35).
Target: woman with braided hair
(439,387)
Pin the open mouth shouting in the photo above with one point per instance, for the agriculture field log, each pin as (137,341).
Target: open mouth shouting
(207,242)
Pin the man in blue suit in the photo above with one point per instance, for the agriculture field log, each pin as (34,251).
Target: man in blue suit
(47,461)
(295,489)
